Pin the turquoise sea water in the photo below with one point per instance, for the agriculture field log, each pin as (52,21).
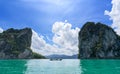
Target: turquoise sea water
(66,66)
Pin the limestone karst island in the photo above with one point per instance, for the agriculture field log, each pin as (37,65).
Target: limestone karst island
(98,41)
(15,44)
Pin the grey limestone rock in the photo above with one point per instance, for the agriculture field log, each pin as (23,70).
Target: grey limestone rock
(98,41)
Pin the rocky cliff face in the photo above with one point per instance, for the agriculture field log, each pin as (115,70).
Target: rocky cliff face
(98,41)
(15,44)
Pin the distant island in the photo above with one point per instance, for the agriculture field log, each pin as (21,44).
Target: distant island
(15,44)
(98,41)
(55,56)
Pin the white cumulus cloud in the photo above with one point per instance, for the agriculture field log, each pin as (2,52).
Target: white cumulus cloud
(65,37)
(1,30)
(65,40)
(115,15)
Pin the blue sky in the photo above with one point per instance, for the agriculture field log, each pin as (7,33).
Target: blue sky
(46,16)
(41,14)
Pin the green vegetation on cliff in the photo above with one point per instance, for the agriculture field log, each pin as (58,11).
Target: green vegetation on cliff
(37,56)
(97,40)
(15,44)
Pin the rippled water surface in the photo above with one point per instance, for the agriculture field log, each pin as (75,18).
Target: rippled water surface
(66,66)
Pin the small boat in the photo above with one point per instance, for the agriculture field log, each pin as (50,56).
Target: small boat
(55,59)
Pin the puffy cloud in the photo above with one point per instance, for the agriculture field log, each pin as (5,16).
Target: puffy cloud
(65,37)
(65,40)
(115,15)
(37,40)
(1,30)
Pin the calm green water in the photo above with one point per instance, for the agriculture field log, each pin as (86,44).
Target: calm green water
(67,66)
